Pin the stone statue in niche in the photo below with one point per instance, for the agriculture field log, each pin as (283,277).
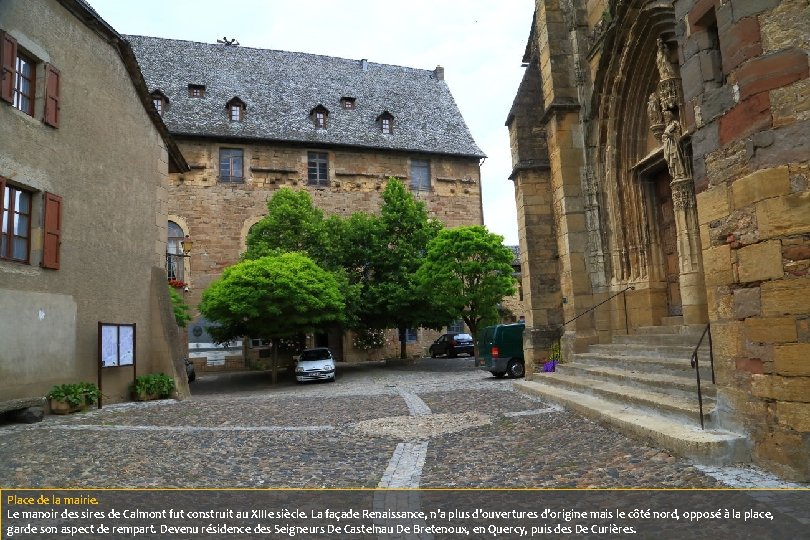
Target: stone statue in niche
(654,114)
(665,69)
(669,84)
(673,154)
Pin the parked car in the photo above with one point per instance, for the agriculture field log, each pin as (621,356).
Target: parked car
(315,365)
(190,373)
(452,344)
(500,350)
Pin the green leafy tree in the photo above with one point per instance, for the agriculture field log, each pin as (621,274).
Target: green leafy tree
(292,224)
(276,296)
(468,271)
(391,296)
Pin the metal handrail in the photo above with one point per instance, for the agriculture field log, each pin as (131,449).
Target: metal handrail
(629,288)
(696,366)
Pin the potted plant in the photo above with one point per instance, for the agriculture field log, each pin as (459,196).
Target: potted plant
(151,386)
(72,397)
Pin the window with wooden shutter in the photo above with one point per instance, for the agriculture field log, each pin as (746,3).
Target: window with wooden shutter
(8,63)
(15,222)
(52,88)
(53,231)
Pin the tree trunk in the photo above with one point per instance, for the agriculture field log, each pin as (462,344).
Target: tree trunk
(474,333)
(403,349)
(274,363)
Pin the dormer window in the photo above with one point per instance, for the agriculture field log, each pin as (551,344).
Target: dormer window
(386,123)
(159,100)
(196,90)
(347,102)
(319,116)
(236,109)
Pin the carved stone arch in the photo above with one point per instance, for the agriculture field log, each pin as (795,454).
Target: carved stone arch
(621,140)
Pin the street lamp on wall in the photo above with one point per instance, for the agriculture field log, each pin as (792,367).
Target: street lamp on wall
(185,244)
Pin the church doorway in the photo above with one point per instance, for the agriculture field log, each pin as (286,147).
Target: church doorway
(669,238)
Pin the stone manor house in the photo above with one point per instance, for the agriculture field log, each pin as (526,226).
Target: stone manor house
(661,158)
(250,121)
(185,141)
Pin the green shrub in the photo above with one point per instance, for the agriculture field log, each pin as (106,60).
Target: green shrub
(156,384)
(182,312)
(75,394)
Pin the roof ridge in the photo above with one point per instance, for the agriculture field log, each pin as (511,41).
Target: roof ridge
(207,44)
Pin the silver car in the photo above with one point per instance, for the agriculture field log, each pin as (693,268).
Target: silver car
(315,365)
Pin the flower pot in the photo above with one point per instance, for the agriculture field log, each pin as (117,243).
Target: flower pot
(143,396)
(62,407)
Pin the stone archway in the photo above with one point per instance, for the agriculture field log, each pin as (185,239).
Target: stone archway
(649,217)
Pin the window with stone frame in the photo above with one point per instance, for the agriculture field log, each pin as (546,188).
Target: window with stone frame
(174,252)
(231,165)
(15,223)
(318,169)
(420,175)
(18,81)
(411,335)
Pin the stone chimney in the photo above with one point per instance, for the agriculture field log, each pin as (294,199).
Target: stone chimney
(439,73)
(364,64)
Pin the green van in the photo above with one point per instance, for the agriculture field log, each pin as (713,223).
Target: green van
(500,350)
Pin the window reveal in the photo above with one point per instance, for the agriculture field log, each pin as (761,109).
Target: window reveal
(318,168)
(230,165)
(420,175)
(15,230)
(174,252)
(24,85)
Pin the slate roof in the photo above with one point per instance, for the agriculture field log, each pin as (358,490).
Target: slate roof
(281,88)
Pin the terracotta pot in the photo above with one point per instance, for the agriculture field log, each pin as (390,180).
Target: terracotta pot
(62,407)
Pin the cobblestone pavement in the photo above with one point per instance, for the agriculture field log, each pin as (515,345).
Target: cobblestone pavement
(436,423)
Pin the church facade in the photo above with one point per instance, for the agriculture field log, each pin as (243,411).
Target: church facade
(660,154)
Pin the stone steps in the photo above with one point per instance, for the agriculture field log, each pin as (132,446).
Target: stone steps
(661,351)
(675,406)
(710,446)
(644,384)
(646,364)
(687,386)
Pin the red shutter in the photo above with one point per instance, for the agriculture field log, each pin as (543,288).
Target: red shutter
(53,231)
(52,87)
(8,66)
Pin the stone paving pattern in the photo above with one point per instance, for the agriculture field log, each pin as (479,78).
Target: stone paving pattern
(240,431)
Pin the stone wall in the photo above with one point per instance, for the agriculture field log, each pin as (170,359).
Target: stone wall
(218,215)
(592,183)
(745,79)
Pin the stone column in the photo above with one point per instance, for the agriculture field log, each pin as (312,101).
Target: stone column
(693,289)
(670,98)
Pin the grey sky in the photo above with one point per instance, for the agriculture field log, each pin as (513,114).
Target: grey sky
(479,42)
